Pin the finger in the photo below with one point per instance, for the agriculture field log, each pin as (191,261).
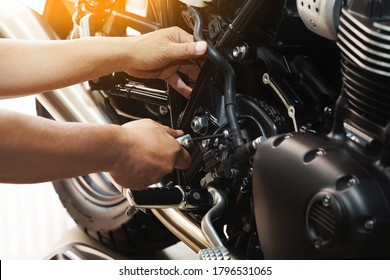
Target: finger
(180,35)
(188,50)
(191,70)
(177,83)
(183,160)
(173,132)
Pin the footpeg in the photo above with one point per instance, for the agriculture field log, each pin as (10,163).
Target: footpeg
(214,254)
(159,197)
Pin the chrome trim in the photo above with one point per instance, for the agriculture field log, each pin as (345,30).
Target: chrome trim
(183,227)
(214,213)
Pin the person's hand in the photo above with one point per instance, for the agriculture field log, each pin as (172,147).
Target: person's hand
(164,53)
(149,151)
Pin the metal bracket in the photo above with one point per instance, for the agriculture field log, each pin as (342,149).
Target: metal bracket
(290,108)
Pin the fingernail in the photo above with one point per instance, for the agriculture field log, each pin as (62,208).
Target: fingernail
(201,47)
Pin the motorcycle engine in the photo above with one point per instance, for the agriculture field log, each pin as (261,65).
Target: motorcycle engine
(326,195)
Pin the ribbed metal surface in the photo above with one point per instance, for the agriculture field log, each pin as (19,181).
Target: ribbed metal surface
(365,51)
(365,43)
(323,221)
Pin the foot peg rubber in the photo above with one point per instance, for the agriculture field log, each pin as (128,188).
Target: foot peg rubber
(158,196)
(214,254)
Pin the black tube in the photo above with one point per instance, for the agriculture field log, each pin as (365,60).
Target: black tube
(229,77)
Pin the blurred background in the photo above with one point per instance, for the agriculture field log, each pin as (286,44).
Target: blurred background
(32,218)
(33,222)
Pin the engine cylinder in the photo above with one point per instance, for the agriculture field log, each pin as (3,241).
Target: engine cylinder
(364,40)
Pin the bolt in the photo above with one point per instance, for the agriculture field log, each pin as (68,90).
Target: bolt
(369,225)
(239,52)
(164,110)
(326,200)
(266,79)
(317,244)
(205,143)
(199,124)
(196,195)
(203,182)
(233,172)
(320,153)
(352,182)
(328,111)
(187,143)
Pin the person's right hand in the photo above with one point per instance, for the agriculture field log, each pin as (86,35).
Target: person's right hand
(149,152)
(162,54)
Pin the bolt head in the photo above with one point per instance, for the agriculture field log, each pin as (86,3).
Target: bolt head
(326,200)
(369,225)
(163,110)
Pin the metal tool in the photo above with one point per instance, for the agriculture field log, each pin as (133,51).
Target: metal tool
(187,140)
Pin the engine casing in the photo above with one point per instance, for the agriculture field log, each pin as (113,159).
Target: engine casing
(317,199)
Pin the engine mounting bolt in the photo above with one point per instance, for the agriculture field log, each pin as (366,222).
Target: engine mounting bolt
(164,110)
(200,124)
(326,200)
(239,52)
(369,225)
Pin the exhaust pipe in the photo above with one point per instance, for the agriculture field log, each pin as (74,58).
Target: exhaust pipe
(76,104)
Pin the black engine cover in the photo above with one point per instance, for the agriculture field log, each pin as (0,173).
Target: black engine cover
(316,199)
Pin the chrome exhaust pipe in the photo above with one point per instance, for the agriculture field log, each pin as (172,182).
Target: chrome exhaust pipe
(76,104)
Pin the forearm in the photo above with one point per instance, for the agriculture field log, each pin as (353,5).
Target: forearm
(33,149)
(36,66)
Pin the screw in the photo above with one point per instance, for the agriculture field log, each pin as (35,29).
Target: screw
(352,182)
(266,79)
(320,153)
(328,111)
(369,225)
(326,200)
(164,110)
(205,143)
(239,52)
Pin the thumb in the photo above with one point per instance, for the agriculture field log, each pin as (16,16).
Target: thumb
(173,132)
(191,49)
